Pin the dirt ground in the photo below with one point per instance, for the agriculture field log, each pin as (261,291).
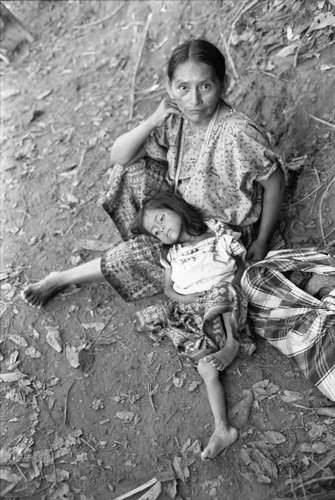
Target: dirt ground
(132,412)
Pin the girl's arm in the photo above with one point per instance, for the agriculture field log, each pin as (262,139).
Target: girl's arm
(129,146)
(273,196)
(173,295)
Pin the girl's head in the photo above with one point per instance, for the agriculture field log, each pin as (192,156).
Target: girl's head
(196,78)
(169,218)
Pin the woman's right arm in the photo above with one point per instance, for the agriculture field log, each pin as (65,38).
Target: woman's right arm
(129,146)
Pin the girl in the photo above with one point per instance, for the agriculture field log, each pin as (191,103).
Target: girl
(203,263)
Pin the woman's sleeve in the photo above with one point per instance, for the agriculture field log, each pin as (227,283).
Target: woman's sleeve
(157,144)
(251,149)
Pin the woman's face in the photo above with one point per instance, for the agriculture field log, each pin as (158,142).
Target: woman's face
(164,224)
(196,90)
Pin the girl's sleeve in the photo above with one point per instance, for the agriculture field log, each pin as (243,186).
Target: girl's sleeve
(251,149)
(165,260)
(227,244)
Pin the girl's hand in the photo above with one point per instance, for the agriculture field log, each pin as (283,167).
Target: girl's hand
(166,108)
(192,297)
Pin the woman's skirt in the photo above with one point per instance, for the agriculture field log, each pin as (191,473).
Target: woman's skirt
(299,325)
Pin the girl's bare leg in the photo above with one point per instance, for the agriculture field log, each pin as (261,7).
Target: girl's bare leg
(224,434)
(40,292)
(221,359)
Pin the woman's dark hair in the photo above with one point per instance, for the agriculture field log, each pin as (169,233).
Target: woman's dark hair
(201,51)
(192,218)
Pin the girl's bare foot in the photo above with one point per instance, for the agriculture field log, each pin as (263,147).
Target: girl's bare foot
(37,294)
(221,359)
(219,441)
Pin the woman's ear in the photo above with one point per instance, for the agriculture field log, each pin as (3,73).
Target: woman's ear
(168,87)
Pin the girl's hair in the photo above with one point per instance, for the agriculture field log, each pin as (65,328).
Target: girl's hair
(192,218)
(200,51)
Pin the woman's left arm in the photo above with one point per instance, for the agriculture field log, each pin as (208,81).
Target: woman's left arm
(273,195)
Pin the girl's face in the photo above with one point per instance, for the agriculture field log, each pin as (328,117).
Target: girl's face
(164,224)
(196,89)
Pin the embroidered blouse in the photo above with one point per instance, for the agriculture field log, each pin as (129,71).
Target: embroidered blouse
(224,181)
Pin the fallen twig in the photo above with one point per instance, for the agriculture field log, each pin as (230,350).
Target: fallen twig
(172,415)
(133,82)
(151,392)
(99,21)
(331,125)
(230,59)
(20,471)
(308,194)
(137,490)
(66,401)
(312,481)
(87,444)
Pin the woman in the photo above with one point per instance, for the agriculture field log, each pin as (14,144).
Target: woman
(196,145)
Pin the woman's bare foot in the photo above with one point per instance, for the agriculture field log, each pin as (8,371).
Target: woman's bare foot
(319,282)
(219,441)
(221,359)
(37,294)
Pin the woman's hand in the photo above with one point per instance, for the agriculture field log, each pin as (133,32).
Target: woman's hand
(166,108)
(257,251)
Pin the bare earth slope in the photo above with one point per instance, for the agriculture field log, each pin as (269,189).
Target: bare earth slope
(133,412)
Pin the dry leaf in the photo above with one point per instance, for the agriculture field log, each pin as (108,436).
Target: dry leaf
(96,326)
(239,414)
(62,492)
(193,385)
(176,463)
(32,352)
(317,447)
(287,51)
(12,376)
(327,411)
(266,464)
(291,396)
(72,355)
(53,338)
(12,362)
(274,437)
(61,475)
(323,21)
(18,340)
(126,416)
(7,475)
(153,493)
